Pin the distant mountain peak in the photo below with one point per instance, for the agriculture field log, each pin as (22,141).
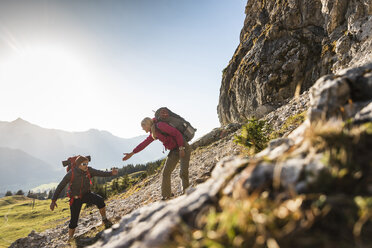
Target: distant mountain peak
(19,119)
(21,123)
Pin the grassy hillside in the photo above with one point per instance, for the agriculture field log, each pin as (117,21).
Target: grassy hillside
(18,217)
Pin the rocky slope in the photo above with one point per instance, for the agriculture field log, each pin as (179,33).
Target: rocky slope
(285,46)
(208,150)
(292,163)
(147,222)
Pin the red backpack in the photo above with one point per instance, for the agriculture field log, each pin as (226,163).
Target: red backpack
(71,164)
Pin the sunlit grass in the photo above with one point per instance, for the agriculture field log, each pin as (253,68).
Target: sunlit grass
(18,217)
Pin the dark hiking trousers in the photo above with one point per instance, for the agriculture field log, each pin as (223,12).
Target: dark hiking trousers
(170,165)
(75,208)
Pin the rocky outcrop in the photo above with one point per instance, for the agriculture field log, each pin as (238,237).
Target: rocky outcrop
(342,96)
(283,164)
(288,163)
(285,46)
(328,102)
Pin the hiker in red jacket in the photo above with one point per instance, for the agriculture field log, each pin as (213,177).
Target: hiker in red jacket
(79,192)
(172,140)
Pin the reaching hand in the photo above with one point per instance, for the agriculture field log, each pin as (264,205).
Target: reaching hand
(52,205)
(127,156)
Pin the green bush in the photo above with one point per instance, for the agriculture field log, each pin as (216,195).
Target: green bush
(254,135)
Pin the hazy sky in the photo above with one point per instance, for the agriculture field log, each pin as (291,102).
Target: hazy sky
(76,65)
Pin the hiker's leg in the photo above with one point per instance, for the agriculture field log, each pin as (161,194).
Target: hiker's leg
(169,166)
(184,167)
(97,200)
(102,211)
(92,198)
(75,212)
(71,233)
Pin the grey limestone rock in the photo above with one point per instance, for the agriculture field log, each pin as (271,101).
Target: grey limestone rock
(151,225)
(341,95)
(285,46)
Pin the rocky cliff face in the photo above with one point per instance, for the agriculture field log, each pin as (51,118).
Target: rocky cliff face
(285,46)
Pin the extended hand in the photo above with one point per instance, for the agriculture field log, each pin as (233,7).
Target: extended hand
(52,205)
(127,156)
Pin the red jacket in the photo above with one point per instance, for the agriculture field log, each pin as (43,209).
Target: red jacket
(171,139)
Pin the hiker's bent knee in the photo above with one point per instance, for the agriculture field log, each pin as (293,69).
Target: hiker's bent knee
(73,224)
(101,204)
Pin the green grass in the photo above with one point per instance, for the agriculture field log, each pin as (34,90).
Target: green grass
(136,174)
(133,178)
(18,218)
(290,123)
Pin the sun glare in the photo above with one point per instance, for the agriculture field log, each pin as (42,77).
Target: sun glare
(44,81)
(46,70)
(43,66)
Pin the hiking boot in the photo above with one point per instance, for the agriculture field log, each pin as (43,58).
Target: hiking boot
(71,240)
(107,223)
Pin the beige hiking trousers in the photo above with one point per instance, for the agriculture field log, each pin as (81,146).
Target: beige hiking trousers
(170,165)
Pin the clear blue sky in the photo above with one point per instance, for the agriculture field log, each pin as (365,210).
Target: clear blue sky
(76,65)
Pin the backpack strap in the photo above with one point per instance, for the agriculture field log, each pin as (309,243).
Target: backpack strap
(159,130)
(72,168)
(69,186)
(88,174)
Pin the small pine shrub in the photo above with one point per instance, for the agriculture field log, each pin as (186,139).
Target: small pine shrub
(254,135)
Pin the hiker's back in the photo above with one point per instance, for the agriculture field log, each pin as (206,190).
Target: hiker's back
(175,120)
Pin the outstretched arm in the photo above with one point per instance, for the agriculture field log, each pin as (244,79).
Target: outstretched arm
(98,173)
(127,156)
(143,144)
(59,188)
(139,148)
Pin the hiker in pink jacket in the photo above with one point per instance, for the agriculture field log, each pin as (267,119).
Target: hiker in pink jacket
(172,140)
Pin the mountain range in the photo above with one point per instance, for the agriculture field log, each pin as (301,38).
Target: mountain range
(31,155)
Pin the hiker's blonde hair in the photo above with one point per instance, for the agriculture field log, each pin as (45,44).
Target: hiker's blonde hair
(149,122)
